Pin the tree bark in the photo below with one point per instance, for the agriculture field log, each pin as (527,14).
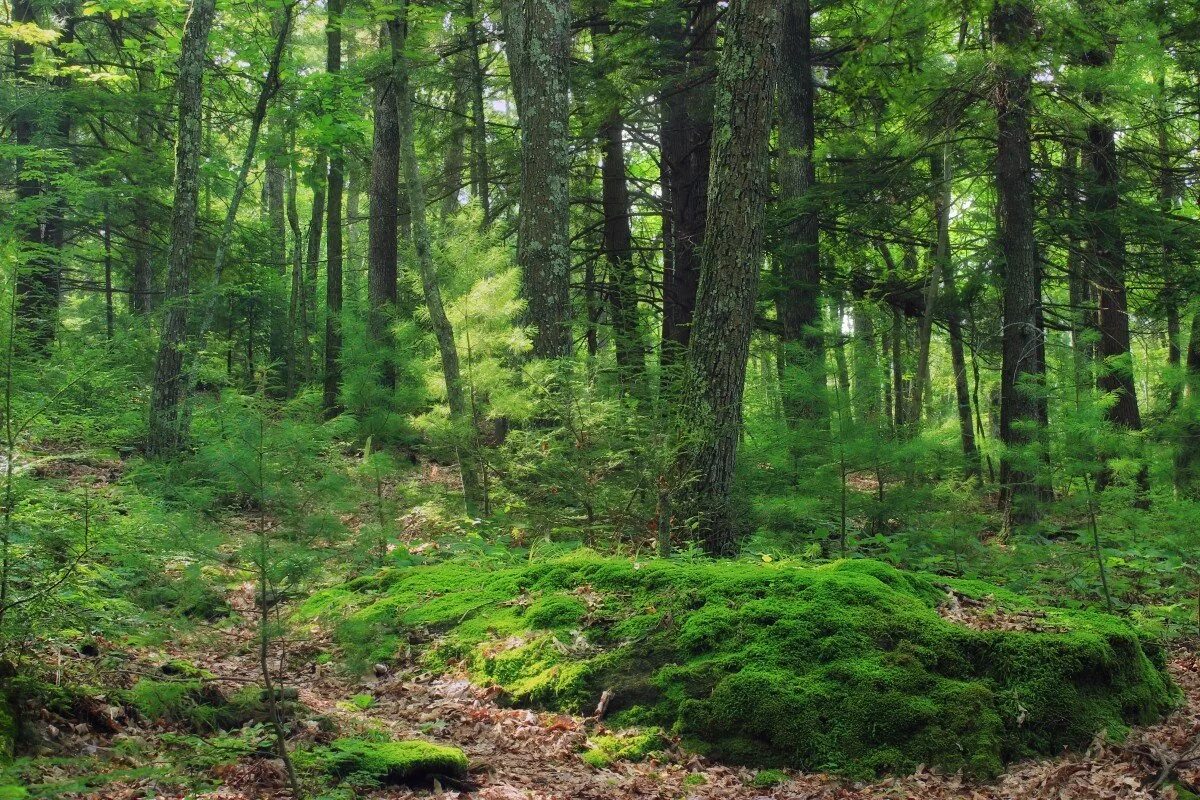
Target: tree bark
(728,291)
(799,304)
(1022,370)
(333,224)
(480,178)
(382,223)
(540,69)
(686,153)
(164,437)
(443,330)
(318,180)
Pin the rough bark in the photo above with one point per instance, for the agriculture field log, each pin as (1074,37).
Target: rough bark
(542,53)
(799,302)
(318,180)
(164,436)
(480,178)
(618,236)
(333,223)
(686,153)
(1022,370)
(382,222)
(725,303)
(443,330)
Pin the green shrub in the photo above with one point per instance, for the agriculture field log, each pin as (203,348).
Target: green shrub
(389,762)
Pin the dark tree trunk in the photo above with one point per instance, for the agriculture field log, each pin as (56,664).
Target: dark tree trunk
(141,289)
(333,224)
(480,178)
(275,188)
(866,366)
(1022,369)
(728,291)
(318,180)
(799,303)
(296,293)
(618,237)
(168,389)
(1106,256)
(455,164)
(384,208)
(686,149)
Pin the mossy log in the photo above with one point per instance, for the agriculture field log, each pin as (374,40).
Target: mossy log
(846,667)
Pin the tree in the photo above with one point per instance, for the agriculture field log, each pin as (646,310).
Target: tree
(1022,367)
(726,298)
(333,225)
(168,390)
(384,204)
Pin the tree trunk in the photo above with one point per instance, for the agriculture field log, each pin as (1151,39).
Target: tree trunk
(460,415)
(686,152)
(384,209)
(318,180)
(1022,370)
(296,293)
(540,69)
(866,366)
(618,237)
(799,304)
(480,179)
(333,224)
(275,189)
(1106,254)
(728,290)
(168,390)
(141,289)
(455,164)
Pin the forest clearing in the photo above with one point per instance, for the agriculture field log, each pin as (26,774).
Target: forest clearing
(541,400)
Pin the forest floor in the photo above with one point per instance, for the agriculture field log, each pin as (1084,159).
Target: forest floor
(517,754)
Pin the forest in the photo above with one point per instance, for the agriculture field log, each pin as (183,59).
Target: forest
(552,400)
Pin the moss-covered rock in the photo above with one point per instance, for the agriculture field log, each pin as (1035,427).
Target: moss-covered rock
(846,667)
(201,706)
(623,746)
(391,762)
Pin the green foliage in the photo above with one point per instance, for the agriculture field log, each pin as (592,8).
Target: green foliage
(622,746)
(846,667)
(363,762)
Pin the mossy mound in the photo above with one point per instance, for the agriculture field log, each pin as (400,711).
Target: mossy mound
(363,761)
(623,746)
(846,667)
(201,706)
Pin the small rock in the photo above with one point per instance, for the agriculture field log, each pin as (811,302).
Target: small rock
(381,670)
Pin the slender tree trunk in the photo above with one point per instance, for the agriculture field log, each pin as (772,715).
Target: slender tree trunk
(460,414)
(958,363)
(382,223)
(167,391)
(1106,252)
(941,171)
(141,290)
(296,294)
(799,305)
(618,237)
(355,269)
(540,69)
(333,224)
(728,291)
(318,180)
(480,179)
(1022,370)
(686,153)
(897,342)
(866,365)
(455,163)
(275,189)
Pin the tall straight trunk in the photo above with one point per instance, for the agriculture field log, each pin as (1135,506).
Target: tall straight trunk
(865,398)
(296,292)
(141,289)
(1171,290)
(1082,314)
(333,225)
(958,362)
(355,268)
(455,163)
(37,284)
(897,338)
(1022,370)
(460,414)
(167,391)
(275,188)
(382,223)
(540,71)
(318,180)
(1106,254)
(725,303)
(480,179)
(686,154)
(799,303)
(1187,453)
(941,171)
(618,236)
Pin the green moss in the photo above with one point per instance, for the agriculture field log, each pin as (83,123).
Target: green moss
(12,792)
(766,778)
(8,731)
(623,746)
(392,762)
(846,667)
(201,706)
(362,701)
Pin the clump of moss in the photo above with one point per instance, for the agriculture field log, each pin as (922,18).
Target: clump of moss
(766,778)
(624,746)
(846,667)
(362,761)
(362,701)
(201,706)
